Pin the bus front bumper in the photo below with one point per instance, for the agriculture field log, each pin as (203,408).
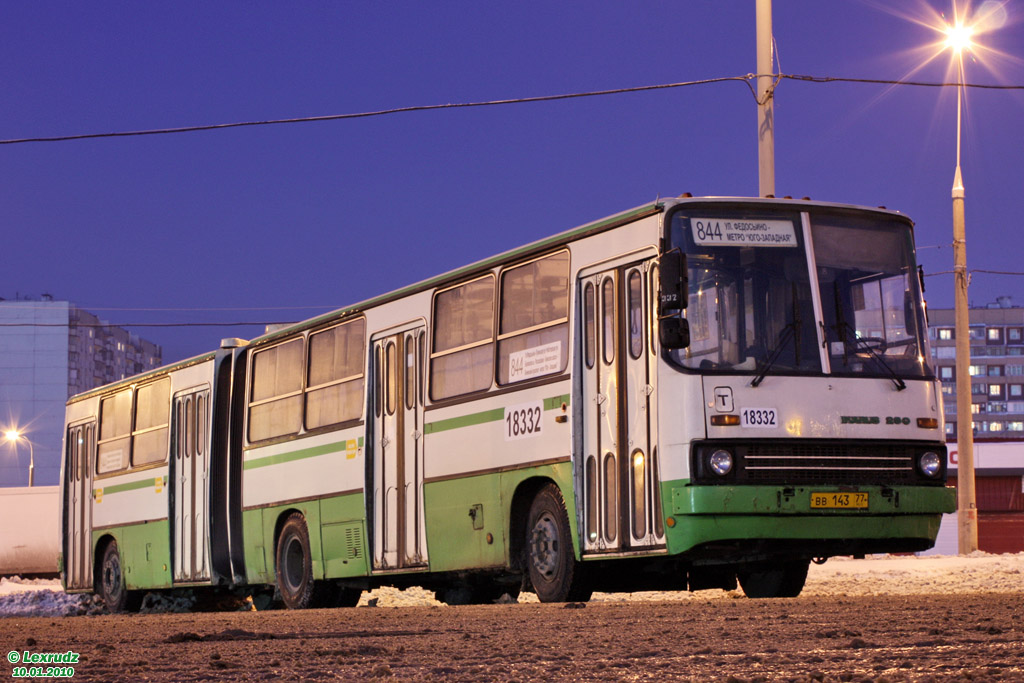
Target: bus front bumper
(812,520)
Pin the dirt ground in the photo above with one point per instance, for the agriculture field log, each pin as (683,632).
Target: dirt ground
(977,636)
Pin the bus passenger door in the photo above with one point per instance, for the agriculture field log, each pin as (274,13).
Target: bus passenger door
(399,530)
(618,473)
(78,468)
(190,467)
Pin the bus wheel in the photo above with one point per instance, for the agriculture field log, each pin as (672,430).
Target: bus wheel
(782,580)
(111,583)
(294,570)
(549,558)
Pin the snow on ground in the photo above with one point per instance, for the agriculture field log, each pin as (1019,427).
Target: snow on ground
(839,577)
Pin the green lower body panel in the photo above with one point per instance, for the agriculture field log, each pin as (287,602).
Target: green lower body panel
(343,536)
(461,514)
(145,553)
(337,537)
(468,519)
(877,517)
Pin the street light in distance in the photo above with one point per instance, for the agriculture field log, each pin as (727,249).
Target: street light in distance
(13,436)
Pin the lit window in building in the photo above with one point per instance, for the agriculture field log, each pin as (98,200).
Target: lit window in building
(996,391)
(995,426)
(1016,426)
(977,370)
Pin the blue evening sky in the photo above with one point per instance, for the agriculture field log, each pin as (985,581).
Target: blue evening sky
(264,220)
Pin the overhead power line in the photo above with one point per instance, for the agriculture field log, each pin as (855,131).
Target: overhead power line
(382,112)
(746,80)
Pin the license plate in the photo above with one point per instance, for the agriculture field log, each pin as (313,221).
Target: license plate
(840,500)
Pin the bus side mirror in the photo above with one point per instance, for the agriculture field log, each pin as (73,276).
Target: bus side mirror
(672,282)
(674,333)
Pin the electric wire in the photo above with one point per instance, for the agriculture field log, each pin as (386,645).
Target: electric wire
(398,110)
(747,80)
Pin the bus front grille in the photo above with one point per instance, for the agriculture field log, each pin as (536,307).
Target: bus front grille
(792,462)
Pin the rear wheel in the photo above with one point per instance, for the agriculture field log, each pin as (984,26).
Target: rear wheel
(294,570)
(781,580)
(111,583)
(550,562)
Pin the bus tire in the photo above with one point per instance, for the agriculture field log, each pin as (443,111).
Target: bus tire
(294,568)
(549,559)
(782,580)
(111,586)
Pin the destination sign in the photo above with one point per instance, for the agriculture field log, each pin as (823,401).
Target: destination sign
(738,232)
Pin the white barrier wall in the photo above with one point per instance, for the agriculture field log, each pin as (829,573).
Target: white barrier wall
(29,530)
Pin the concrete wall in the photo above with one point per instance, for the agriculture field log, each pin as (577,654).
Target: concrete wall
(29,530)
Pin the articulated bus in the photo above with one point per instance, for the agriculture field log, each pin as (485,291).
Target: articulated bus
(696,393)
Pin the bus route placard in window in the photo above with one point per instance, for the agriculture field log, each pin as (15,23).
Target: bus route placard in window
(739,232)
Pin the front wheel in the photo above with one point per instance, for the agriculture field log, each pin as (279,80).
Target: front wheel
(550,562)
(781,580)
(111,587)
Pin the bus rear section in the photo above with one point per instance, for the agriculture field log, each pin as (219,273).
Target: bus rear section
(145,484)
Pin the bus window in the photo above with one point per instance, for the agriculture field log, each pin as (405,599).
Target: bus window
(152,403)
(636,310)
(115,432)
(200,424)
(590,351)
(611,499)
(391,381)
(639,477)
(410,372)
(335,380)
(608,319)
(378,391)
(276,401)
(534,331)
(462,354)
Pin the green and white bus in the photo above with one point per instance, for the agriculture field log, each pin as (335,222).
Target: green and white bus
(690,394)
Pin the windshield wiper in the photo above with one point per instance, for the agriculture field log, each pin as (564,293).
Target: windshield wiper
(848,333)
(788,332)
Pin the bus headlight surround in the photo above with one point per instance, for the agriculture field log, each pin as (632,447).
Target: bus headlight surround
(720,462)
(930,464)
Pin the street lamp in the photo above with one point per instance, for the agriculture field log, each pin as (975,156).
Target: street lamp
(14,436)
(958,39)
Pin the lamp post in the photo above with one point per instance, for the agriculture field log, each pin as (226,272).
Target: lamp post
(14,436)
(958,38)
(765,105)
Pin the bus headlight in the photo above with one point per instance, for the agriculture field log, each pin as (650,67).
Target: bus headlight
(720,462)
(930,464)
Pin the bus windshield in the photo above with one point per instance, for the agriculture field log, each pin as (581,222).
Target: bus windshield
(751,305)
